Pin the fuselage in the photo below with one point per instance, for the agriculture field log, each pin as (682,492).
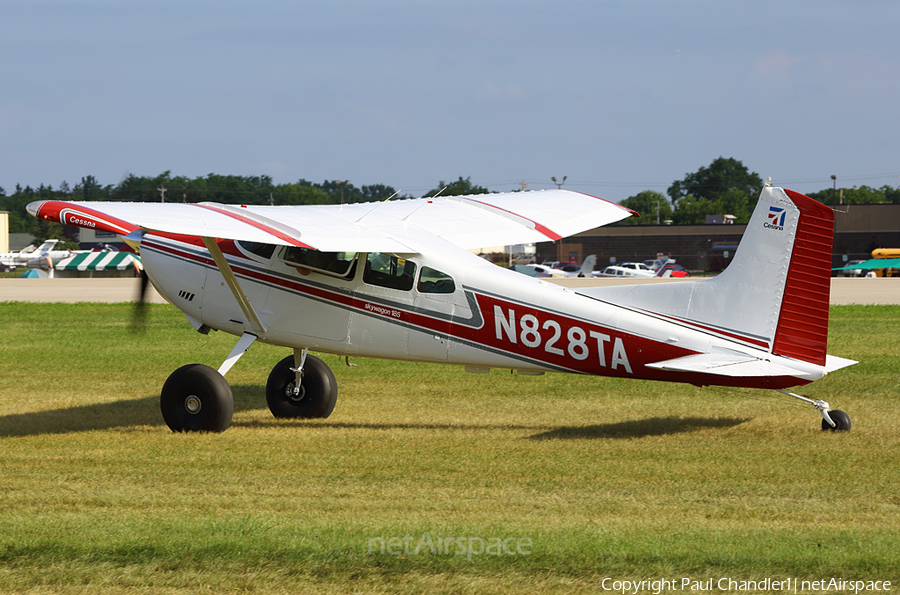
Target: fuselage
(441,304)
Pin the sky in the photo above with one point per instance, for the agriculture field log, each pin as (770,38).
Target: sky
(618,96)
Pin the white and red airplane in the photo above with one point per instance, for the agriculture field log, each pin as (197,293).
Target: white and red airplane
(44,256)
(394,280)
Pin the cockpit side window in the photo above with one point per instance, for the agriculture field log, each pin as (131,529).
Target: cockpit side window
(393,272)
(305,260)
(434,281)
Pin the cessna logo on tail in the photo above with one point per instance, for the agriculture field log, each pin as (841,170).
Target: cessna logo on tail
(775,218)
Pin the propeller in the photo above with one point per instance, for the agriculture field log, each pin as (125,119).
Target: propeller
(139,313)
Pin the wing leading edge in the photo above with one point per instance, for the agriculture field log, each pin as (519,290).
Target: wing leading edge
(466,221)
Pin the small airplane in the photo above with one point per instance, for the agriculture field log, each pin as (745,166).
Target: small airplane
(43,256)
(538,270)
(632,269)
(394,280)
(641,271)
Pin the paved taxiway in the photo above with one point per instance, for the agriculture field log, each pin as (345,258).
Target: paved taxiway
(844,290)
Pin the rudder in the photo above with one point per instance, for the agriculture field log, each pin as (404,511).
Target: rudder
(802,331)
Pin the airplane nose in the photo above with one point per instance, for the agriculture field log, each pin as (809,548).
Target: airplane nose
(34,207)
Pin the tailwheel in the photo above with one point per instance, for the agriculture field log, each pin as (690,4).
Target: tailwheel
(841,421)
(305,389)
(196,398)
(833,420)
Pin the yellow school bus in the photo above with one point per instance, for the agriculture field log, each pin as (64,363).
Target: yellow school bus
(882,253)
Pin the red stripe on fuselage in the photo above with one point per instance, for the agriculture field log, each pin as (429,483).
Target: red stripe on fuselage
(521,331)
(712,329)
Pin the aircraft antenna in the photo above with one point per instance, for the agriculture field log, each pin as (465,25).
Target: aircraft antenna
(366,214)
(427,202)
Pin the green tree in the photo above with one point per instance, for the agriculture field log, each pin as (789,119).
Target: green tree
(737,202)
(377,192)
(460,187)
(864,195)
(891,194)
(653,207)
(693,211)
(90,189)
(714,181)
(137,189)
(299,194)
(340,191)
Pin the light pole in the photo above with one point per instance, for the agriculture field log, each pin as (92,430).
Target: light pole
(834,188)
(342,183)
(559,184)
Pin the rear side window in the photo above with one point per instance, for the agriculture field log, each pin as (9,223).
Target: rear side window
(434,281)
(386,270)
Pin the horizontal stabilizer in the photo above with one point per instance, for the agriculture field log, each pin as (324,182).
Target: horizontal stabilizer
(726,365)
(832,363)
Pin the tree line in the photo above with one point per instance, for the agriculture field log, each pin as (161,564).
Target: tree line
(725,187)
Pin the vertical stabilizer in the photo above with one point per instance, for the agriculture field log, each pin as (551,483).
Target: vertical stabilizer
(774,294)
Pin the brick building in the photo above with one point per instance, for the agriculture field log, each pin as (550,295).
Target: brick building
(858,229)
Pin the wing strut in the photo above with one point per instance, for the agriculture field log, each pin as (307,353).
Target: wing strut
(252,319)
(242,346)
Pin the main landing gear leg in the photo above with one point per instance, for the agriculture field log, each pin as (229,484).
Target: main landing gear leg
(833,420)
(301,386)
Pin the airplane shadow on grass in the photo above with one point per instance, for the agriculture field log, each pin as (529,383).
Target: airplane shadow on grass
(107,416)
(640,428)
(145,412)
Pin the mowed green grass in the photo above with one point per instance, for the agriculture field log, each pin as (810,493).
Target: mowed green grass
(603,477)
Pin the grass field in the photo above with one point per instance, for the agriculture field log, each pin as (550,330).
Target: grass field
(582,478)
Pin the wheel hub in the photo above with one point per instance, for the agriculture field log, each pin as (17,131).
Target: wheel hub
(193,404)
(295,393)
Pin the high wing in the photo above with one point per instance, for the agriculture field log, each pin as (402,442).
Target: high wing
(388,226)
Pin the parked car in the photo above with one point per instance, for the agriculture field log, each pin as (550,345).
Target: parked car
(675,270)
(854,272)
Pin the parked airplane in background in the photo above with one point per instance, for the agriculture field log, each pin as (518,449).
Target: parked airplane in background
(538,270)
(628,269)
(641,271)
(44,256)
(395,280)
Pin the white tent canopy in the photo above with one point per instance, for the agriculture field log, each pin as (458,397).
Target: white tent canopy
(100,261)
